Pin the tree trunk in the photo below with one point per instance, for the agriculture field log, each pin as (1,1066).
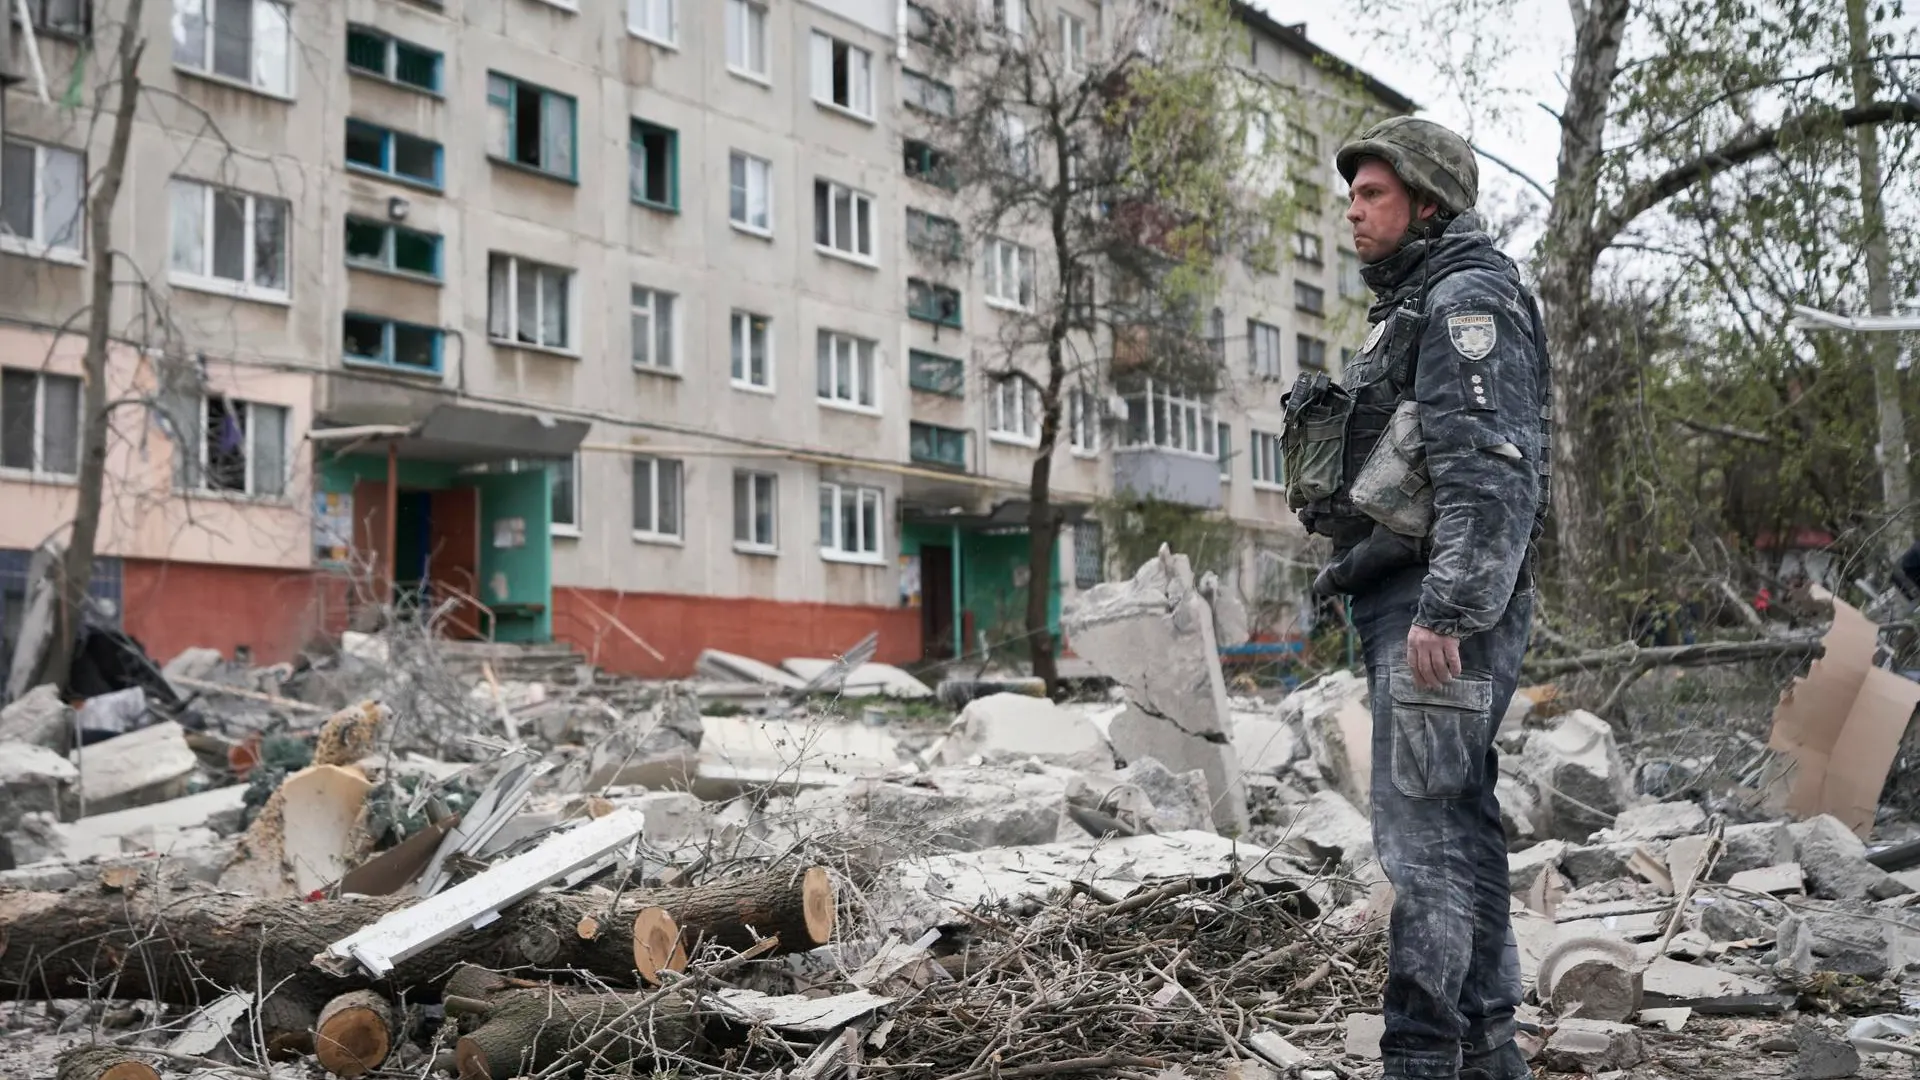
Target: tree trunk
(355,1033)
(1884,348)
(76,568)
(103,1063)
(526,1031)
(190,948)
(1584,448)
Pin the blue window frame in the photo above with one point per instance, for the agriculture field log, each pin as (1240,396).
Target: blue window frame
(390,343)
(377,245)
(532,126)
(372,52)
(372,148)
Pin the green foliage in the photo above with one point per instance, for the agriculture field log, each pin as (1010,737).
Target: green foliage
(1137,527)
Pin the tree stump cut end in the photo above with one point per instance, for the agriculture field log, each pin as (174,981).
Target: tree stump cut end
(656,944)
(355,1034)
(816,890)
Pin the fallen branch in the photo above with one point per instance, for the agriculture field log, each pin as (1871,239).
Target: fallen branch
(1699,655)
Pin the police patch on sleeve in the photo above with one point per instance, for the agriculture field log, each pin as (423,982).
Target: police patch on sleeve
(1473,336)
(1373,336)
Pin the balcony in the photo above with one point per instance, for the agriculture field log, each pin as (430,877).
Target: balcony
(935,374)
(1175,476)
(938,447)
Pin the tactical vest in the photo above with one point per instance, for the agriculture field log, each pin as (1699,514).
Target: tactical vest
(1378,379)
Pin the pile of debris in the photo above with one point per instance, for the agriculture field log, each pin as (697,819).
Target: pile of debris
(409,857)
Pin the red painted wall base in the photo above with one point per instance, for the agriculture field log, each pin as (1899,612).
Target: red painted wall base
(679,626)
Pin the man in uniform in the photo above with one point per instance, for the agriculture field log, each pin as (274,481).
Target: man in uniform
(1443,616)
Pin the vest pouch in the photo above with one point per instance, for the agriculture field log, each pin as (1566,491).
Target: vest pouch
(1393,487)
(1313,443)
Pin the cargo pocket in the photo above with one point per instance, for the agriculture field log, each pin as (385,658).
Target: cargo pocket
(1440,736)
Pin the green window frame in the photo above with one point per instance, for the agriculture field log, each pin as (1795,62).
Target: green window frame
(393,249)
(383,56)
(533,127)
(934,303)
(936,374)
(931,444)
(653,165)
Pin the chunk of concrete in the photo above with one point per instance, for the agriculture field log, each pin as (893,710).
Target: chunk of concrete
(732,667)
(1173,802)
(38,717)
(141,767)
(1596,974)
(1656,821)
(1734,918)
(100,835)
(1229,611)
(1775,880)
(1363,1035)
(867,680)
(1581,775)
(1820,1056)
(193,663)
(1333,715)
(1669,980)
(1009,728)
(1593,1046)
(1519,811)
(27,765)
(1591,864)
(1753,847)
(957,810)
(1525,867)
(1836,862)
(1328,827)
(1845,938)
(1154,636)
(1266,745)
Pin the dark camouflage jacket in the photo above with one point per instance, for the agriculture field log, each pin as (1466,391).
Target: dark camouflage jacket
(1481,379)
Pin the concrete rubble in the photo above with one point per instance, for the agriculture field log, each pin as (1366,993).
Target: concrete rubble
(882,848)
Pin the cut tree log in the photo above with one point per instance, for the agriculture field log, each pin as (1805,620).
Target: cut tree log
(355,1033)
(657,945)
(103,1063)
(1704,653)
(189,947)
(525,1031)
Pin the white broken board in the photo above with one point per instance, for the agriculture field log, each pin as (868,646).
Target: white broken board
(866,680)
(209,1027)
(800,1014)
(478,900)
(1672,980)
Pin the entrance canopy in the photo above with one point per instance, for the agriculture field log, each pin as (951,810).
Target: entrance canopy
(463,435)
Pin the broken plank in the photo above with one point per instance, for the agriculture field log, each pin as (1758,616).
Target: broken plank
(478,900)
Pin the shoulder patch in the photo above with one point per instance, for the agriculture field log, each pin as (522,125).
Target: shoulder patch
(1473,336)
(1373,336)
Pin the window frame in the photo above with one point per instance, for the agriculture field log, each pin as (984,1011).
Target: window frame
(1263,450)
(389,247)
(388,157)
(747,172)
(920,91)
(764,75)
(823,79)
(38,470)
(204,68)
(670,326)
(249,489)
(556,527)
(389,327)
(36,11)
(1309,298)
(38,245)
(937,293)
(870,550)
(204,279)
(937,434)
(862,367)
(1166,414)
(637,130)
(926,156)
(1223,448)
(1026,403)
(1257,333)
(869,258)
(570,317)
(1309,247)
(516,86)
(1025,270)
(737,319)
(919,360)
(1083,423)
(1073,41)
(671,37)
(752,545)
(1301,351)
(390,61)
(656,466)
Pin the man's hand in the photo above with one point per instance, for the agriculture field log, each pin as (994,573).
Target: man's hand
(1434,658)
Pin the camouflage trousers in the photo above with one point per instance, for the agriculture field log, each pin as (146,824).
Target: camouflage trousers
(1453,971)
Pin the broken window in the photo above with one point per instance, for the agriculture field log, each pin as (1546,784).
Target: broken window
(653,165)
(529,125)
(231,239)
(242,447)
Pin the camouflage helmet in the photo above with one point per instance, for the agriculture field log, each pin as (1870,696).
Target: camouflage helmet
(1425,156)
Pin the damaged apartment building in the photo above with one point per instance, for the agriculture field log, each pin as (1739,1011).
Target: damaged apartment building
(585,314)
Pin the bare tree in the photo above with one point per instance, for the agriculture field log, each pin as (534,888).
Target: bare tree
(1108,184)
